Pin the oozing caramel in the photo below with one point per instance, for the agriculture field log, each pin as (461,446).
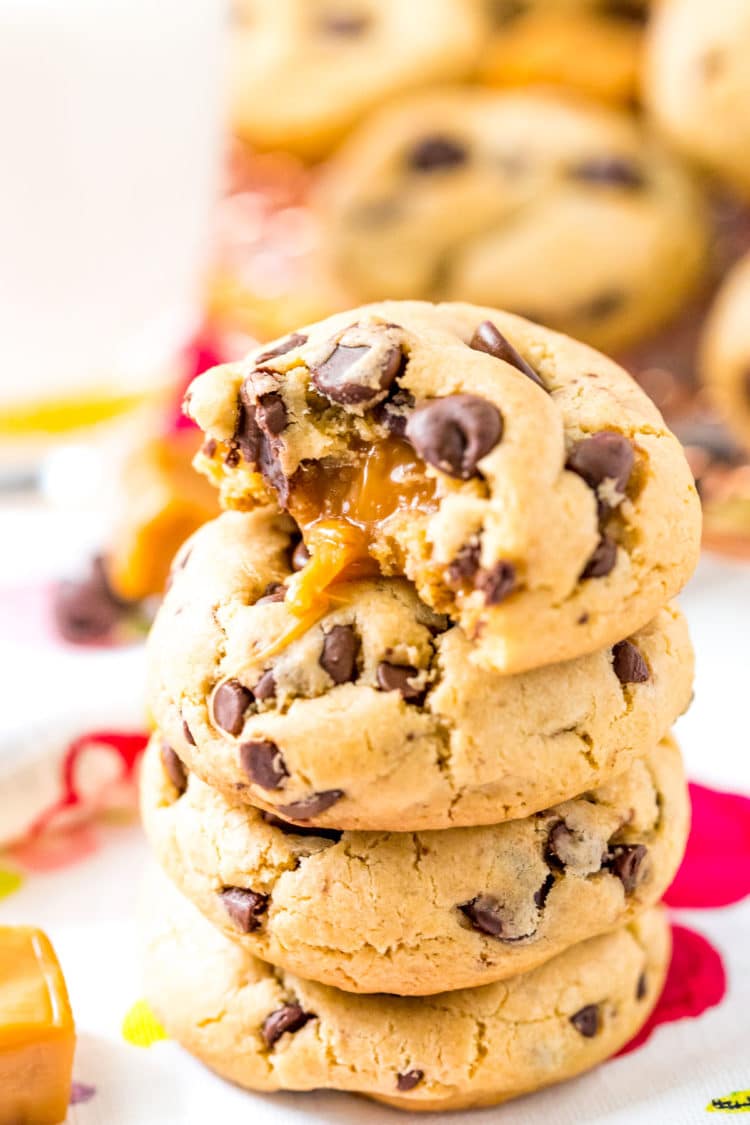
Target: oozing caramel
(340,510)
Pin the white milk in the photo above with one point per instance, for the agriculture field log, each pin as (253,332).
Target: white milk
(110,135)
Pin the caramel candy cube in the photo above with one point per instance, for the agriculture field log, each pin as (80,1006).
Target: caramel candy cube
(37,1034)
(164,501)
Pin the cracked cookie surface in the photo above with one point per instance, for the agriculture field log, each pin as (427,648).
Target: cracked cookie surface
(375,706)
(523,482)
(419,913)
(266,1029)
(303,72)
(566,213)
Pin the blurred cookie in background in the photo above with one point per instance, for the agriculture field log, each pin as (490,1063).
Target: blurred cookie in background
(697,82)
(591,46)
(722,475)
(725,352)
(557,209)
(303,72)
(679,366)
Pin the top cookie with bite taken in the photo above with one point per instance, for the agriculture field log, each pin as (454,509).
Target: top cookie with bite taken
(521,480)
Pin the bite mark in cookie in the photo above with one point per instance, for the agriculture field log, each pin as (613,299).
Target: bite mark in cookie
(408,447)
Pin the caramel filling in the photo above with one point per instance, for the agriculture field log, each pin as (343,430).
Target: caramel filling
(341,510)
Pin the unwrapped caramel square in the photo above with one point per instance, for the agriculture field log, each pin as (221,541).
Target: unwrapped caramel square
(37,1033)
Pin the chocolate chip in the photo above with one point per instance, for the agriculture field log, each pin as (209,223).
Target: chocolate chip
(609,171)
(244,907)
(628,663)
(313,805)
(455,433)
(263,763)
(188,733)
(271,413)
(300,556)
(231,700)
(626,861)
(295,340)
(173,768)
(497,582)
(465,565)
(288,829)
(209,447)
(289,1018)
(344,23)
(503,12)
(257,437)
(437,153)
(641,987)
(601,306)
(247,435)
(485,914)
(339,654)
(266,686)
(602,561)
(408,1080)
(541,896)
(396,677)
(394,412)
(345,378)
(487,338)
(274,592)
(586,1021)
(635,11)
(604,456)
(87,609)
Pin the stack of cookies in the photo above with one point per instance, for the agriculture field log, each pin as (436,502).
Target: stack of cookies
(413,774)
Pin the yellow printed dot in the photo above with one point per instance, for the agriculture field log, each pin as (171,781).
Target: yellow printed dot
(736,1102)
(140,1027)
(10,882)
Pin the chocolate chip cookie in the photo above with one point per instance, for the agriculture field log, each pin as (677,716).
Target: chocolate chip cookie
(566,213)
(725,366)
(302,72)
(523,482)
(697,82)
(593,47)
(418,913)
(266,1029)
(371,713)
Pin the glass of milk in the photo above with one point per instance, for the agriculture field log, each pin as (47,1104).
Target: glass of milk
(110,139)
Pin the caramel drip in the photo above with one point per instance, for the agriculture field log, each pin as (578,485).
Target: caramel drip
(341,508)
